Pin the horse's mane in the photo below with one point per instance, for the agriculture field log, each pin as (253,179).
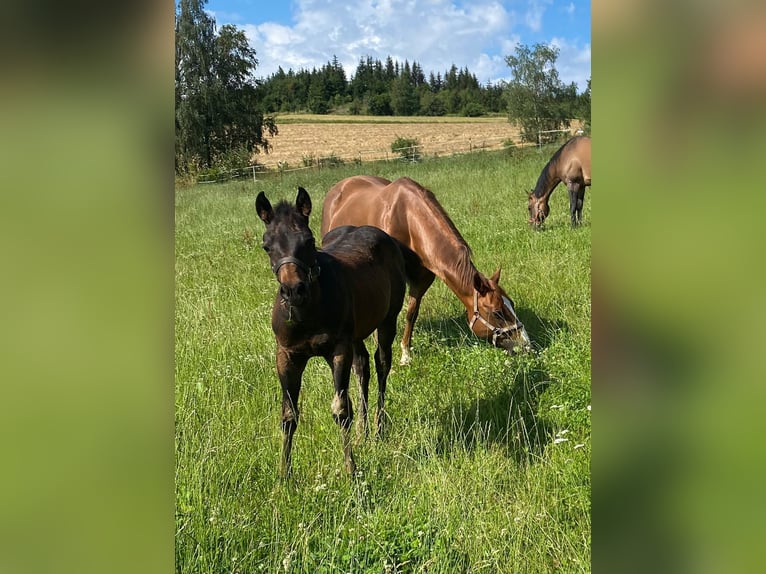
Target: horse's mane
(540,185)
(464,266)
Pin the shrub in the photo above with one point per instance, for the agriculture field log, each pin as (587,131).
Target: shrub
(473,110)
(330,161)
(407,148)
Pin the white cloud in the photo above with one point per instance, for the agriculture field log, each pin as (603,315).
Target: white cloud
(476,34)
(570,9)
(534,15)
(573,63)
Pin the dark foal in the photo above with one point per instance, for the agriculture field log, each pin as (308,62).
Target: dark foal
(328,302)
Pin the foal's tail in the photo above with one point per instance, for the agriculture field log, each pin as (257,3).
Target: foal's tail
(413,266)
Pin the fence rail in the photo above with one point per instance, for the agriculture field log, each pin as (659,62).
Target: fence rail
(412,154)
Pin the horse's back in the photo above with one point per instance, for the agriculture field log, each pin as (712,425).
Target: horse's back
(576,155)
(352,201)
(370,200)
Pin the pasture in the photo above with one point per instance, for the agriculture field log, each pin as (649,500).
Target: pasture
(303,136)
(486,463)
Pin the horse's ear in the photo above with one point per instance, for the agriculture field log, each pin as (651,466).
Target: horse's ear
(303,202)
(481,284)
(496,276)
(263,208)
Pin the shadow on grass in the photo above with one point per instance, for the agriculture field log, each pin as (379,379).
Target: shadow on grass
(507,419)
(454,331)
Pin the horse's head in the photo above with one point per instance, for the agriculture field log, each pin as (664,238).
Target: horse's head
(538,210)
(494,315)
(290,244)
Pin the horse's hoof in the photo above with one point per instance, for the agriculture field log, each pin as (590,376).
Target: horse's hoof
(405,360)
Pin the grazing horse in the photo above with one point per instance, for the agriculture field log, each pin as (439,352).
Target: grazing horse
(570,164)
(328,302)
(410,213)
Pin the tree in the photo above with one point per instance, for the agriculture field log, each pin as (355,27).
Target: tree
(217,108)
(584,108)
(534,93)
(404,98)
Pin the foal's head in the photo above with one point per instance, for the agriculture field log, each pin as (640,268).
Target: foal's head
(494,315)
(538,210)
(290,244)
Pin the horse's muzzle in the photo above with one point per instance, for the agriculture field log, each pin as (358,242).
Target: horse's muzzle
(518,341)
(294,295)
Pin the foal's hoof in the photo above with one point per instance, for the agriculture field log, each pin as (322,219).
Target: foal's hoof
(405,360)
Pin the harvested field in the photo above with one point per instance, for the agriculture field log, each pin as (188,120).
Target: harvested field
(367,139)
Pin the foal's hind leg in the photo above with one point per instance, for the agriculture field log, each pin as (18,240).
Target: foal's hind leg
(342,411)
(383,356)
(362,370)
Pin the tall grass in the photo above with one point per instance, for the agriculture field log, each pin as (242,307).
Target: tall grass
(473,475)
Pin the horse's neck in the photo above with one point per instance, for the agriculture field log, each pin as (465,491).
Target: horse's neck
(548,180)
(450,261)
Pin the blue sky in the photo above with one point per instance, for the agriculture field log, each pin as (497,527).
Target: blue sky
(476,34)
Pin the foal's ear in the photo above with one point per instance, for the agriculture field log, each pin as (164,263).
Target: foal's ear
(496,276)
(303,202)
(263,208)
(481,284)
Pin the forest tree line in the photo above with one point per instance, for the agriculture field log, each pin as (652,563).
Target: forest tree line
(392,88)
(224,114)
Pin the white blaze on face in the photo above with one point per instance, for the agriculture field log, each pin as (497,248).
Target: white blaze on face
(523,331)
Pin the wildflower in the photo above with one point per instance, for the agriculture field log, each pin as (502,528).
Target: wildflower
(288,560)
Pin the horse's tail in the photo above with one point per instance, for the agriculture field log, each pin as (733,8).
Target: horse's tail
(413,266)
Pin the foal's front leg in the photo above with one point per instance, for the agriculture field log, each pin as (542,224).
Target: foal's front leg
(290,370)
(342,411)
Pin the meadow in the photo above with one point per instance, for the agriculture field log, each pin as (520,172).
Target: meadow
(486,463)
(369,138)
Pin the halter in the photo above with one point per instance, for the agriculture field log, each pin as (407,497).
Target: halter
(496,331)
(311,272)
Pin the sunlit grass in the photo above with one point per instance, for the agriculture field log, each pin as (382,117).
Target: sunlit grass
(471,476)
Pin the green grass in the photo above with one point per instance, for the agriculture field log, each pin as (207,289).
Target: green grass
(470,477)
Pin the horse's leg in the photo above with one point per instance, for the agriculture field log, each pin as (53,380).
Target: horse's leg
(580,202)
(383,355)
(342,411)
(362,369)
(413,308)
(290,370)
(572,188)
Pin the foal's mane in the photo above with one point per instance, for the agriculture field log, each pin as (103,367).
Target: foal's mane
(286,211)
(464,267)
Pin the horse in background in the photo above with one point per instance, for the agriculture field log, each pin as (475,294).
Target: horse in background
(570,164)
(328,302)
(411,214)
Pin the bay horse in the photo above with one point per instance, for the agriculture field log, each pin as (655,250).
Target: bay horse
(410,213)
(328,302)
(570,164)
